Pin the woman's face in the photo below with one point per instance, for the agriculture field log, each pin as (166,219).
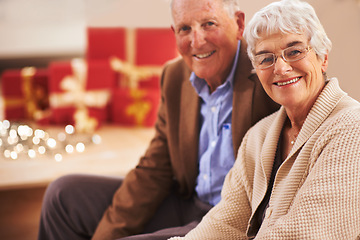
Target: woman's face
(295,85)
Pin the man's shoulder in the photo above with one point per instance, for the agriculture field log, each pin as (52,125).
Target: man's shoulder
(176,69)
(177,64)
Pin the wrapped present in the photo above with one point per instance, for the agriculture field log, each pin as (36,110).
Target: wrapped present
(103,43)
(135,107)
(25,93)
(136,54)
(80,92)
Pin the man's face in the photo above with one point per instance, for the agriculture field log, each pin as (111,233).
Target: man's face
(207,37)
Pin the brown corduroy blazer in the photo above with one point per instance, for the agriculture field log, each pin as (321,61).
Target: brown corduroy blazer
(171,159)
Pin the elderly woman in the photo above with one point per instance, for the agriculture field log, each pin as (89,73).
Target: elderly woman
(297,174)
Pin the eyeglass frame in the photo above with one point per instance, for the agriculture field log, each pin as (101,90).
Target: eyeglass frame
(275,57)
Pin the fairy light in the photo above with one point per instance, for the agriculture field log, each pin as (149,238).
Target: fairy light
(51,143)
(36,140)
(42,150)
(69,129)
(69,148)
(58,157)
(13,155)
(96,139)
(32,153)
(39,133)
(80,147)
(7,153)
(6,124)
(19,141)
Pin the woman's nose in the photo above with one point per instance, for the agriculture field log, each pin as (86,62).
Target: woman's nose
(281,66)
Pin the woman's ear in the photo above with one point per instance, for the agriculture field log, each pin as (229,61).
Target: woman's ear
(325,63)
(240,20)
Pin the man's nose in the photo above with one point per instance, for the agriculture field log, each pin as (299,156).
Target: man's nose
(198,38)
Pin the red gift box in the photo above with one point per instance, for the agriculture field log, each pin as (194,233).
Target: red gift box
(137,54)
(104,43)
(25,93)
(135,107)
(80,87)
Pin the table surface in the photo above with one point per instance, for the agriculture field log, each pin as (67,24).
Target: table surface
(118,152)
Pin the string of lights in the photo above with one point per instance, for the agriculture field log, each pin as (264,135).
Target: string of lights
(21,141)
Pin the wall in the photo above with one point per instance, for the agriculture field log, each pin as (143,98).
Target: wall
(38,29)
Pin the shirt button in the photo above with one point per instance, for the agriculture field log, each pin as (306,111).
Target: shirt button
(213,143)
(213,109)
(205,177)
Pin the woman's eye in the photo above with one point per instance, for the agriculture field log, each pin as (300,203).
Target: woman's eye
(266,60)
(293,53)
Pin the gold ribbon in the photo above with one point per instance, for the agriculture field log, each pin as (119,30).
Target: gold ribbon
(140,108)
(27,75)
(75,94)
(133,74)
(31,95)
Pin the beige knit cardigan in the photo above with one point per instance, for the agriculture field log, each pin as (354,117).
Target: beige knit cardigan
(316,193)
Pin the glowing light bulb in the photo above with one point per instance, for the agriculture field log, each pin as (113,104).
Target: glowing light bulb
(51,143)
(69,148)
(69,129)
(58,157)
(96,139)
(80,147)
(36,140)
(42,150)
(13,155)
(32,153)
(7,153)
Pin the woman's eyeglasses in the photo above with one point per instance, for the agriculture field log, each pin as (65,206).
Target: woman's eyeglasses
(290,54)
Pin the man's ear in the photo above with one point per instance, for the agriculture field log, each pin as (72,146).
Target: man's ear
(172,28)
(240,19)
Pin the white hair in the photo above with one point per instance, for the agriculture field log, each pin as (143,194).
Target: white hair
(231,6)
(287,16)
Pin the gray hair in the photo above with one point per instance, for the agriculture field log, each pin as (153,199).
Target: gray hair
(287,16)
(231,6)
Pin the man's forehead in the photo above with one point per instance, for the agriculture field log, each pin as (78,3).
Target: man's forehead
(202,10)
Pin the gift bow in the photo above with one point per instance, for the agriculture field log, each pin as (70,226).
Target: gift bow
(32,95)
(134,74)
(75,94)
(140,108)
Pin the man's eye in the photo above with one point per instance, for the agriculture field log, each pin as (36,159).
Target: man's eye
(209,24)
(184,29)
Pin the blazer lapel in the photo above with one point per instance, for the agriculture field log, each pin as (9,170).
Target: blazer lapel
(242,98)
(189,125)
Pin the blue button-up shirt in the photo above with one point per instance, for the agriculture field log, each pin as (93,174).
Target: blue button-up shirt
(216,154)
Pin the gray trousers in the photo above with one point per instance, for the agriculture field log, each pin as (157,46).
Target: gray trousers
(74,204)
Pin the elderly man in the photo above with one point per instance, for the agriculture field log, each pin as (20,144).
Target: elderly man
(209,99)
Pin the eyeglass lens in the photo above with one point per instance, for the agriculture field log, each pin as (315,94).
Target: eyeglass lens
(290,54)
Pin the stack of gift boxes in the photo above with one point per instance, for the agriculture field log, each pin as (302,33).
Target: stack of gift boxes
(117,82)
